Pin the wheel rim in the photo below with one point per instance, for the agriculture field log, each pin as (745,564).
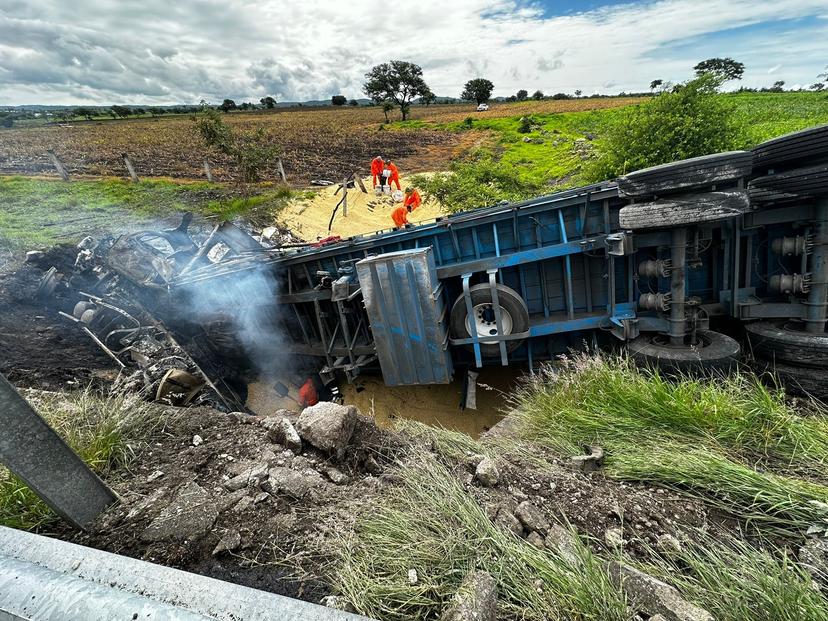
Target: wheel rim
(485,324)
(662,340)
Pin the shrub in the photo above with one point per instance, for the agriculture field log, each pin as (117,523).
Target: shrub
(689,121)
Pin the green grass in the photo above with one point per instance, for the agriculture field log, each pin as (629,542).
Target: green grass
(553,160)
(737,582)
(729,441)
(38,212)
(106,434)
(431,524)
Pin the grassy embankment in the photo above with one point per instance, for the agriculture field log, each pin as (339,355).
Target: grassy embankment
(105,432)
(41,212)
(519,165)
(730,443)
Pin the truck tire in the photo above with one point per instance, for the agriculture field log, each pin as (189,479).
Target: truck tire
(716,353)
(799,183)
(684,210)
(809,145)
(692,174)
(772,340)
(514,316)
(800,381)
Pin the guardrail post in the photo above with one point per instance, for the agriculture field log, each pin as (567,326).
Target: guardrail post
(32,450)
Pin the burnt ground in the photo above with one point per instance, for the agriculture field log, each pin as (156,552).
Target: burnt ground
(39,348)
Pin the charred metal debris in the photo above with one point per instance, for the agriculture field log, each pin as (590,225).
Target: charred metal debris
(188,317)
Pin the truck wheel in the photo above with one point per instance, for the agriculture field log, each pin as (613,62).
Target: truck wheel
(513,314)
(810,145)
(713,353)
(692,174)
(801,381)
(684,210)
(781,342)
(796,183)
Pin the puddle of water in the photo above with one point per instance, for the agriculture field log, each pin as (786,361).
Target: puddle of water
(437,405)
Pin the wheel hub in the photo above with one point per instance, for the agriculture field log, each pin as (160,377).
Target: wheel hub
(485,323)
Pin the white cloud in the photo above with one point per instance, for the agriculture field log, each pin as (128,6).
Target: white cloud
(156,51)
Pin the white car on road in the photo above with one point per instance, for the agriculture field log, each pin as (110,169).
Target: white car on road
(482,107)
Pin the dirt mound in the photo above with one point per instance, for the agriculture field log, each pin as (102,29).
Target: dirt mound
(214,494)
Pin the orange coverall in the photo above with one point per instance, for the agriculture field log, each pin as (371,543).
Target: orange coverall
(400,217)
(395,175)
(307,394)
(376,169)
(414,200)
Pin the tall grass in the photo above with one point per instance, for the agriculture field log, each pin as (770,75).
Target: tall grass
(431,524)
(728,440)
(105,433)
(736,582)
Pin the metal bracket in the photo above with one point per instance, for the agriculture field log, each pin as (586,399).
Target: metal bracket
(624,328)
(619,244)
(478,360)
(504,359)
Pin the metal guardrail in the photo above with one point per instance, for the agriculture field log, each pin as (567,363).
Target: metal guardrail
(46,579)
(33,451)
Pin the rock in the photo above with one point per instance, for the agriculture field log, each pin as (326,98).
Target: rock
(252,476)
(197,440)
(243,504)
(337,476)
(190,515)
(281,431)
(475,600)
(327,426)
(532,518)
(412,576)
(562,541)
(261,497)
(614,537)
(337,602)
(668,543)
(229,542)
(814,556)
(507,520)
(653,597)
(535,539)
(155,476)
(371,466)
(487,472)
(296,484)
(590,462)
(33,256)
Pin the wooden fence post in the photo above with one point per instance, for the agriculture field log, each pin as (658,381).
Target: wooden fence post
(56,163)
(360,183)
(130,168)
(345,197)
(207,170)
(281,170)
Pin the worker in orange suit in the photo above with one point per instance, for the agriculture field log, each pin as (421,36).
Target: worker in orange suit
(376,169)
(400,217)
(412,199)
(393,175)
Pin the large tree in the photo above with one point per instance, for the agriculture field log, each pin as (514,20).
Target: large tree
(268,102)
(398,81)
(723,68)
(478,90)
(522,95)
(339,100)
(227,105)
(537,95)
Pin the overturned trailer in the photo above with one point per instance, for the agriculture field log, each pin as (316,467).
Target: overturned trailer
(663,262)
(650,261)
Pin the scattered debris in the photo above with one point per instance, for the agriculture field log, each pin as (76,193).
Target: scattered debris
(189,516)
(282,431)
(412,576)
(197,440)
(614,537)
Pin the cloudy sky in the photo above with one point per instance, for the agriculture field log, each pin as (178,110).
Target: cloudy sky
(174,51)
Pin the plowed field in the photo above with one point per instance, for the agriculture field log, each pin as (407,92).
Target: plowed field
(316,143)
